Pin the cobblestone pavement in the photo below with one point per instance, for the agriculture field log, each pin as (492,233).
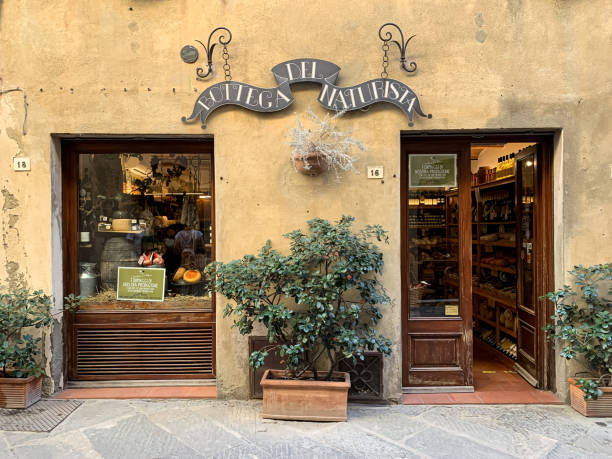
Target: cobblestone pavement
(233,429)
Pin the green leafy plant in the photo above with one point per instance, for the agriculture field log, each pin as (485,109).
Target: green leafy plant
(19,310)
(582,325)
(322,299)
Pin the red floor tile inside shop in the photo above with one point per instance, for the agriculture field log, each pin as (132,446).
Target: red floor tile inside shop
(495,382)
(140,392)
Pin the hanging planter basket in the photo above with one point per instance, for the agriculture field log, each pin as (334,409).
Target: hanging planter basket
(322,146)
(311,164)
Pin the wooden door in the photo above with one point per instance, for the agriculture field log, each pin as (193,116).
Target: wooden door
(528,332)
(436,264)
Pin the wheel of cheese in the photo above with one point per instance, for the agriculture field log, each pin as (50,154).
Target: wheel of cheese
(192,276)
(178,275)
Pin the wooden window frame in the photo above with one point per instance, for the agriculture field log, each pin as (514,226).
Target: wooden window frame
(71,148)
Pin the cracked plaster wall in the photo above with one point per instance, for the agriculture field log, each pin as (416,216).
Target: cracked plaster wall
(113,68)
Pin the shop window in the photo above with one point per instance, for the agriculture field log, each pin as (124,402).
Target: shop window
(153,213)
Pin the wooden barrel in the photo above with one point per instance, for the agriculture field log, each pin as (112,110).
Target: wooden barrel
(117,252)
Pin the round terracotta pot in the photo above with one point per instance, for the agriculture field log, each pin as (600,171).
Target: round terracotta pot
(316,164)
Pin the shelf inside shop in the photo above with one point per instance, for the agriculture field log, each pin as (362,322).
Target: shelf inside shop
(506,300)
(490,340)
(495,222)
(121,232)
(454,240)
(445,260)
(504,269)
(502,243)
(499,297)
(507,331)
(487,321)
(503,181)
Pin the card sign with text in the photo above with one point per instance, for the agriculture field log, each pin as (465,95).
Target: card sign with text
(432,171)
(141,284)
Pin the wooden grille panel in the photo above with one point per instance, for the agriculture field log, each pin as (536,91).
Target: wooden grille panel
(144,351)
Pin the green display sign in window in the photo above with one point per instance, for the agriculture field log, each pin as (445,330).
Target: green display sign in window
(141,284)
(433,171)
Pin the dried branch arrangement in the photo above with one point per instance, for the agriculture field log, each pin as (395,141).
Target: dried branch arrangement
(322,146)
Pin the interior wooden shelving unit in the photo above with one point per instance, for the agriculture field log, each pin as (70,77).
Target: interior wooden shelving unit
(496,300)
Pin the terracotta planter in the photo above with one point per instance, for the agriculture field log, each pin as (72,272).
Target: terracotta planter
(317,164)
(304,400)
(20,392)
(600,408)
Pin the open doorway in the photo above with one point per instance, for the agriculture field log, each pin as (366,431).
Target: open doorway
(505,317)
(477,254)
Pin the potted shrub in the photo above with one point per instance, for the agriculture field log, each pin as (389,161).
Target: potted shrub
(21,377)
(583,330)
(319,304)
(322,146)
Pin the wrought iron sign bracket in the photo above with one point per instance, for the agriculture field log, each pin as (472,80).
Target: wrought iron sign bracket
(324,73)
(189,53)
(401,44)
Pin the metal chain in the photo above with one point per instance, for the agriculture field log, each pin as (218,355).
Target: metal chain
(226,66)
(385,61)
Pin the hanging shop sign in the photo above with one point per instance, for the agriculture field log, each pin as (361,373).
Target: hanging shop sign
(141,284)
(319,71)
(432,171)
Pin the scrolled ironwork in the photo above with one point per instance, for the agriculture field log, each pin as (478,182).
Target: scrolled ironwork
(401,44)
(209,49)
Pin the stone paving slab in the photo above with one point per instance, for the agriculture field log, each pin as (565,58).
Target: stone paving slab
(234,429)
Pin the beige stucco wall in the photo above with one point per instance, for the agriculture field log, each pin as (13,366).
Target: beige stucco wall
(113,67)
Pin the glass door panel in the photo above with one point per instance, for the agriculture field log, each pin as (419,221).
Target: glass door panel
(433,236)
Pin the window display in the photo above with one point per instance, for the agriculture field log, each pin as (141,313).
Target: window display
(148,211)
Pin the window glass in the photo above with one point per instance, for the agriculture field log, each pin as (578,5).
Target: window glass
(149,212)
(433,235)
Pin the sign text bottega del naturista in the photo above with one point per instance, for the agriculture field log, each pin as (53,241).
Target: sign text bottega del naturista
(318,71)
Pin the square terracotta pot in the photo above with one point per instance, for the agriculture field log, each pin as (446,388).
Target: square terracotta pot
(600,408)
(20,392)
(304,400)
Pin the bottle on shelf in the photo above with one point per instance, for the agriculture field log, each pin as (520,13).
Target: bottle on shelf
(511,165)
(498,168)
(84,236)
(503,167)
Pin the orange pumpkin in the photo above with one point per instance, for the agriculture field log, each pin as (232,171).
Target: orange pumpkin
(192,276)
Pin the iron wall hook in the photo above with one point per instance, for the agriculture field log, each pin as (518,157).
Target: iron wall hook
(189,53)
(401,45)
